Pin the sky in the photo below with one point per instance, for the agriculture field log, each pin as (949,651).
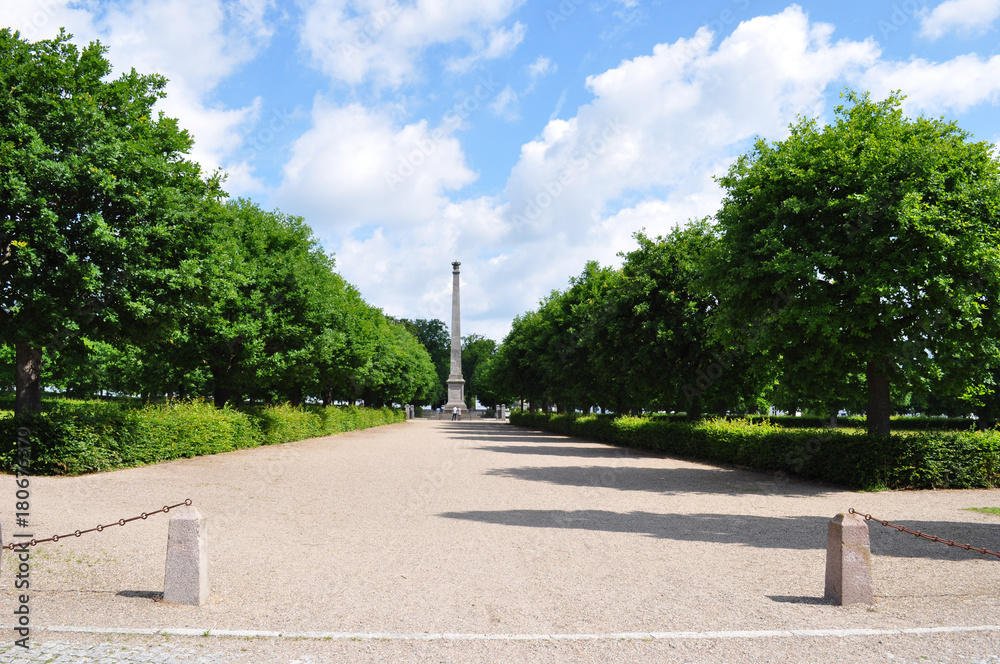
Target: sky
(520,137)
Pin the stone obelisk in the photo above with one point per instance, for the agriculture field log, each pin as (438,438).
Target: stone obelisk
(456,384)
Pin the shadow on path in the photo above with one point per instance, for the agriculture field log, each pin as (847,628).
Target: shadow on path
(800,532)
(597,452)
(501,430)
(668,481)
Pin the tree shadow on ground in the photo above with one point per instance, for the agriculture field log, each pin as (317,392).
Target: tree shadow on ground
(596,452)
(500,429)
(799,532)
(668,481)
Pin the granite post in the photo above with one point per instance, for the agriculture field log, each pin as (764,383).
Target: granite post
(456,384)
(186,577)
(849,561)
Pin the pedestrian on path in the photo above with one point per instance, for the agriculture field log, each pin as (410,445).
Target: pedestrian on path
(456,414)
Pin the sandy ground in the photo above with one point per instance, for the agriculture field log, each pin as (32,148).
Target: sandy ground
(481,528)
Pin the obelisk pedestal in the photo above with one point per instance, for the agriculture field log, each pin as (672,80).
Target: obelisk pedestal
(456,384)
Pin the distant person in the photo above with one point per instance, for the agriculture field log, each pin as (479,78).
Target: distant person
(456,413)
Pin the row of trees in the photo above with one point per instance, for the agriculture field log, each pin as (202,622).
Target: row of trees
(854,266)
(123,266)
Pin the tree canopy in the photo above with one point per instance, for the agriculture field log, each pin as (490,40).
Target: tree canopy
(97,202)
(123,266)
(853,266)
(870,247)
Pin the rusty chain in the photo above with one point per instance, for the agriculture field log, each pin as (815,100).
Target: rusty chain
(917,533)
(77,533)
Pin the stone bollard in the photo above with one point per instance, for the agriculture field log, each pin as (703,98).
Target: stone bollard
(849,561)
(186,578)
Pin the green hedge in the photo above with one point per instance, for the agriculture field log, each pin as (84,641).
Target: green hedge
(899,422)
(930,459)
(75,437)
(281,424)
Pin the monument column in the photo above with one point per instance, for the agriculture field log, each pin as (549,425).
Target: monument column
(456,384)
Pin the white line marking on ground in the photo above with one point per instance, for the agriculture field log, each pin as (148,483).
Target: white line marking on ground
(427,636)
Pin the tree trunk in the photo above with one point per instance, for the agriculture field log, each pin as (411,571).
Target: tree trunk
(221,396)
(833,420)
(877,413)
(328,397)
(295,396)
(222,393)
(28,378)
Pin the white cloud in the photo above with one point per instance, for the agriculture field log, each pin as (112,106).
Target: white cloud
(193,43)
(356,167)
(505,104)
(935,87)
(353,40)
(541,67)
(196,45)
(641,155)
(959,16)
(43,18)
(501,43)
(659,120)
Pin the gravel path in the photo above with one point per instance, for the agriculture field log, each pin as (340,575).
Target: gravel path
(482,529)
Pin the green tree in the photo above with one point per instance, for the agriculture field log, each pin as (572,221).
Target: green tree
(434,336)
(660,329)
(516,368)
(476,352)
(401,370)
(98,205)
(869,247)
(272,308)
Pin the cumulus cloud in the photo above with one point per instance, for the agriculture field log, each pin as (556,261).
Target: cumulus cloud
(656,120)
(935,87)
(959,16)
(354,40)
(357,166)
(193,43)
(42,19)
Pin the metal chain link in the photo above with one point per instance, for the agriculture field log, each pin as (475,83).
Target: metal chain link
(917,533)
(77,533)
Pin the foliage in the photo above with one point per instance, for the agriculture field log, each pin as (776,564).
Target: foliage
(477,351)
(630,339)
(433,335)
(96,195)
(76,437)
(152,284)
(926,460)
(794,271)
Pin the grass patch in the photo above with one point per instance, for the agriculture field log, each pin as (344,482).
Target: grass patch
(985,510)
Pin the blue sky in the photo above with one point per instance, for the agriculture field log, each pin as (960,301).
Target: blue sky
(520,137)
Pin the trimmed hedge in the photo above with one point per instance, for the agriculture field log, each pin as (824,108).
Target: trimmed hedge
(76,437)
(899,422)
(926,460)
